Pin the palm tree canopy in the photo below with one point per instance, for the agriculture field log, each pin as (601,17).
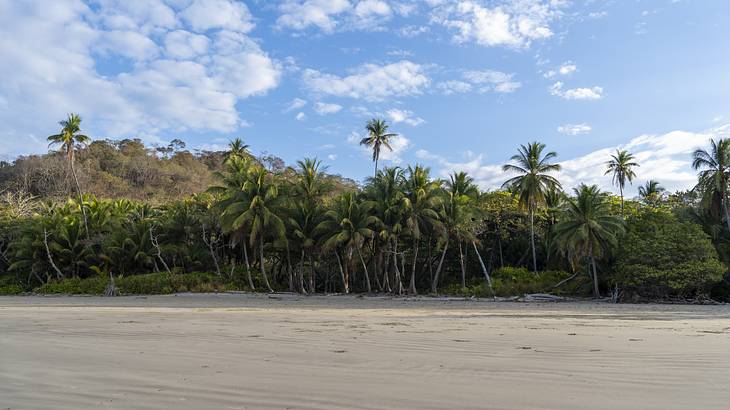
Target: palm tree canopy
(587,227)
(621,167)
(533,179)
(421,201)
(651,191)
(236,147)
(714,172)
(378,136)
(69,137)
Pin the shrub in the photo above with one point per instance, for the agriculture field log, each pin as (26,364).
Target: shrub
(511,281)
(662,256)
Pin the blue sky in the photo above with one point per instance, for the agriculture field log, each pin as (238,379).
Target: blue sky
(462,81)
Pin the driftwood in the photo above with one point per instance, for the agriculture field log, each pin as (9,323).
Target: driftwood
(541,297)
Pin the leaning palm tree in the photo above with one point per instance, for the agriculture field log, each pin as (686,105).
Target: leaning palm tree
(587,228)
(69,139)
(420,202)
(621,168)
(715,173)
(651,192)
(377,138)
(532,183)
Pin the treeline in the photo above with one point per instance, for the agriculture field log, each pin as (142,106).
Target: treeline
(256,224)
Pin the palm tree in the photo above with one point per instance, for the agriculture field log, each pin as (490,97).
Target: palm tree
(532,183)
(621,167)
(420,202)
(587,228)
(348,225)
(250,206)
(236,147)
(69,140)
(651,192)
(715,174)
(377,137)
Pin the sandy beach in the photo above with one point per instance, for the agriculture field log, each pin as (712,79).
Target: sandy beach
(237,351)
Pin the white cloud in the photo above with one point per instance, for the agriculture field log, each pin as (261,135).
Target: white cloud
(204,15)
(594,93)
(50,66)
(295,104)
(300,15)
(483,81)
(566,68)
(574,129)
(301,116)
(406,116)
(513,24)
(325,108)
(370,82)
(332,157)
(399,145)
(454,86)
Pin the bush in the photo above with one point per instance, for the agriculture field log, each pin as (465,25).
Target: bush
(148,284)
(511,281)
(661,256)
(11,290)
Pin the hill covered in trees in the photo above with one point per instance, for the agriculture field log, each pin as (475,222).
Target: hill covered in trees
(118,216)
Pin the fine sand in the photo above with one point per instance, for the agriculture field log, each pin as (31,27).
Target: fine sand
(237,351)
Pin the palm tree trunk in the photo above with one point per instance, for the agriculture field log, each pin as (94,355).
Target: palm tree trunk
(463,268)
(365,267)
(532,240)
(412,286)
(312,284)
(248,268)
(484,268)
(81,197)
(301,274)
(621,190)
(386,281)
(596,292)
(376,166)
(345,285)
(399,282)
(435,283)
(727,213)
(263,267)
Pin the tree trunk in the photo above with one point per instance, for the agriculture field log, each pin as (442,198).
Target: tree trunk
(312,284)
(463,268)
(621,190)
(248,267)
(289,268)
(412,286)
(345,284)
(727,213)
(596,292)
(59,275)
(263,267)
(435,283)
(399,283)
(301,274)
(532,240)
(386,280)
(484,268)
(81,196)
(365,267)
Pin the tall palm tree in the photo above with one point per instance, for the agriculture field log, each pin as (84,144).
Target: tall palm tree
(420,203)
(621,167)
(69,139)
(587,228)
(348,225)
(378,137)
(532,183)
(651,192)
(236,147)
(715,173)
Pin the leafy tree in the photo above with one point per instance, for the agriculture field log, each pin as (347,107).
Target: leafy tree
(661,256)
(587,229)
(378,137)
(532,182)
(621,167)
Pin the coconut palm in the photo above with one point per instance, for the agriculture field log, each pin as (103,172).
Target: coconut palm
(347,226)
(532,183)
(715,174)
(69,139)
(587,228)
(250,206)
(236,147)
(378,137)
(651,192)
(420,202)
(621,168)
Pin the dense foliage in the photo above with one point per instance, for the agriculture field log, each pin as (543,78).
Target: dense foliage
(152,219)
